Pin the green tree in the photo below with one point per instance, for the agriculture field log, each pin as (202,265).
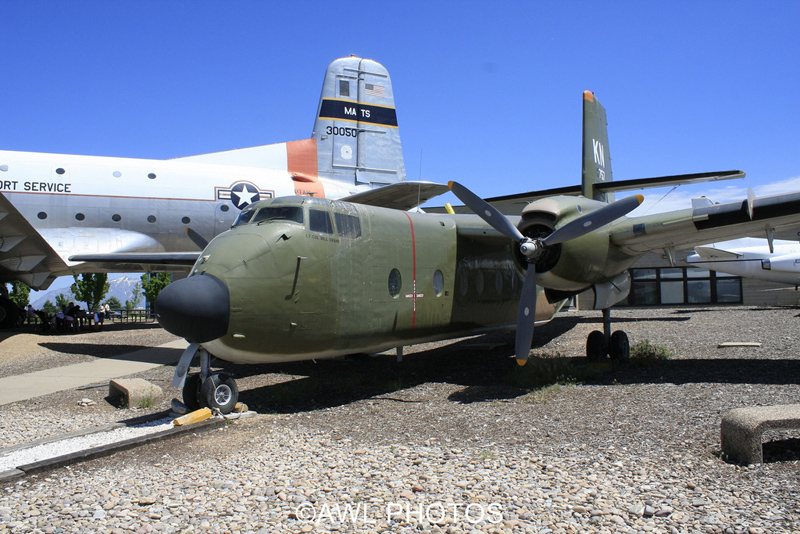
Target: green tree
(136,297)
(63,300)
(50,308)
(114,303)
(153,284)
(20,294)
(91,288)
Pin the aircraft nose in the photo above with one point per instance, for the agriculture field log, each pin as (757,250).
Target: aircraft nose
(195,308)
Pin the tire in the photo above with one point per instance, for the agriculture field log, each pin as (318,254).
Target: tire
(595,350)
(620,346)
(191,392)
(219,392)
(9,313)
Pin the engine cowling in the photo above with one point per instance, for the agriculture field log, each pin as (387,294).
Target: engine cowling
(579,263)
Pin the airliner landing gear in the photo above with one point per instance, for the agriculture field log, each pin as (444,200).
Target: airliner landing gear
(205,389)
(602,344)
(9,313)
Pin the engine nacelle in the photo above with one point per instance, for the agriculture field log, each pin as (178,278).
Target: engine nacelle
(579,263)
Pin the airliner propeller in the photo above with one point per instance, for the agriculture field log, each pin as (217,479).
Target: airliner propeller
(533,248)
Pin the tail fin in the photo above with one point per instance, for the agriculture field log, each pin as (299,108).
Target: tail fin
(358,141)
(596,157)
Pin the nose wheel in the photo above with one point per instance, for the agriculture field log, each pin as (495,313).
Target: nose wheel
(217,391)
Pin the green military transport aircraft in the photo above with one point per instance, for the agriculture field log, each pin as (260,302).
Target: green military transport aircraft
(300,278)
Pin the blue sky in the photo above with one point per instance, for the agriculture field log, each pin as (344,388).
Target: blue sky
(488,94)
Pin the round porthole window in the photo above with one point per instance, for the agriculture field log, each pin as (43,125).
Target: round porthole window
(117,174)
(462,278)
(116,217)
(151,218)
(186,220)
(438,283)
(395,283)
(479,282)
(79,216)
(42,215)
(152,176)
(224,207)
(60,171)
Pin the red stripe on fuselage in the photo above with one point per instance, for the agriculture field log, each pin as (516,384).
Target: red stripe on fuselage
(413,274)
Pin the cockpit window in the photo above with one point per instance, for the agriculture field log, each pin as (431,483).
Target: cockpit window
(320,221)
(348,225)
(244,217)
(279,213)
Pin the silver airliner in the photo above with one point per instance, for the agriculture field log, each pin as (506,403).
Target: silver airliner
(120,214)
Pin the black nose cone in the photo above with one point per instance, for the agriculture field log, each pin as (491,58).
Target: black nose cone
(195,308)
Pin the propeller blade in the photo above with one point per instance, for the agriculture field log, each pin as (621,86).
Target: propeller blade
(594,219)
(485,211)
(196,238)
(526,316)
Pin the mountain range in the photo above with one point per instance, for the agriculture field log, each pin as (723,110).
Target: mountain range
(121,287)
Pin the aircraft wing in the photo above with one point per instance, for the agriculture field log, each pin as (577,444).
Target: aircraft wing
(683,229)
(134,261)
(715,254)
(24,254)
(400,196)
(514,204)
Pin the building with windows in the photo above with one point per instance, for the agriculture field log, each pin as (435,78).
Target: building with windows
(655,282)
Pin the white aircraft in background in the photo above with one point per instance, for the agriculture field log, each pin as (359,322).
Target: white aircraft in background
(777,263)
(124,215)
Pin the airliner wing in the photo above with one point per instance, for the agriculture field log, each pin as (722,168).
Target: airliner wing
(136,260)
(401,196)
(715,254)
(678,230)
(24,254)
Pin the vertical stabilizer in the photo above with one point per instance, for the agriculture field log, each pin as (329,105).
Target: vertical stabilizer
(596,157)
(356,132)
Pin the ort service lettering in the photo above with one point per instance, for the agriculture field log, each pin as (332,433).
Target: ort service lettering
(35,187)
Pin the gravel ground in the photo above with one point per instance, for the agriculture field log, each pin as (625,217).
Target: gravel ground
(453,439)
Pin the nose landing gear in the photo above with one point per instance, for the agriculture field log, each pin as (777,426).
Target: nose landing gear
(205,389)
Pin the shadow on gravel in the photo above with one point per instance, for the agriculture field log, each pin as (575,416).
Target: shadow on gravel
(481,364)
(786,450)
(717,371)
(91,349)
(484,366)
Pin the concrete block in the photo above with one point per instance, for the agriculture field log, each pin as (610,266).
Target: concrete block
(135,392)
(742,429)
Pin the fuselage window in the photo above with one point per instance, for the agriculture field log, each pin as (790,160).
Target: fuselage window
(320,221)
(278,213)
(395,283)
(348,225)
(42,215)
(151,218)
(116,217)
(152,176)
(438,283)
(187,220)
(224,207)
(79,216)
(479,282)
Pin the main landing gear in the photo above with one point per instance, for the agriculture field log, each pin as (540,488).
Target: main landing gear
(206,389)
(601,344)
